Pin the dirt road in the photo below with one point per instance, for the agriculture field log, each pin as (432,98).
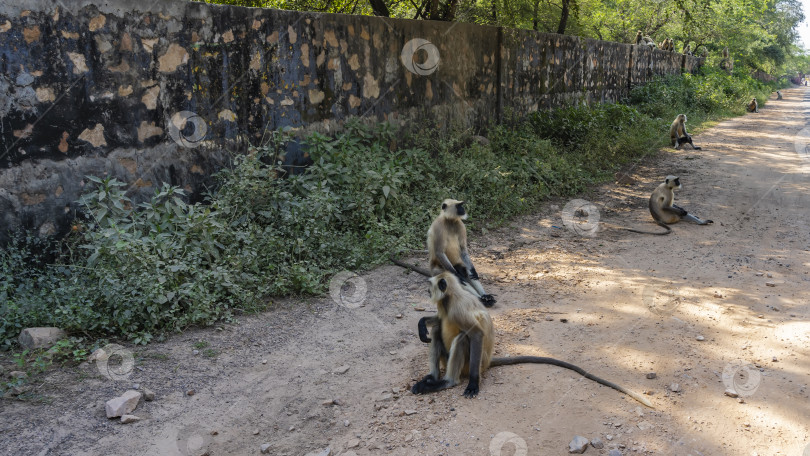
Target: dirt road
(695,307)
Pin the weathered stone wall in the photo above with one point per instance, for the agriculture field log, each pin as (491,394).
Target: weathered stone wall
(167,93)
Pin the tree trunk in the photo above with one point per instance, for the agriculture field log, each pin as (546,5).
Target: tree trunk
(434,10)
(494,11)
(535,20)
(379,8)
(450,10)
(564,16)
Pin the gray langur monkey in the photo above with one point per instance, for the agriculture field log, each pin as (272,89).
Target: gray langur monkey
(463,339)
(687,49)
(447,247)
(447,250)
(678,135)
(647,41)
(663,208)
(639,38)
(753,106)
(778,95)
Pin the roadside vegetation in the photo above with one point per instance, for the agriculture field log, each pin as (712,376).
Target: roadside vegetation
(139,271)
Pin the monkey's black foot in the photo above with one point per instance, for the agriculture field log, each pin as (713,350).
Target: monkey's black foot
(707,222)
(698,148)
(472,390)
(429,384)
(487,300)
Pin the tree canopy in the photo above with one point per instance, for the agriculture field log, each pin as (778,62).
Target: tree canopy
(761,34)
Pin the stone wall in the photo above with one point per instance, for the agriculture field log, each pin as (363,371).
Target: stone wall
(168,93)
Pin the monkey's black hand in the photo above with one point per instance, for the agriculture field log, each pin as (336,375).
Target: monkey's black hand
(423,331)
(462,279)
(428,384)
(487,300)
(472,390)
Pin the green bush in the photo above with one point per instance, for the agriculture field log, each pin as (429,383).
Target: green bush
(136,271)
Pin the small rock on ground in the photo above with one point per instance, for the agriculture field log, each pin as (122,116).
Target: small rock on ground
(126,419)
(33,338)
(675,387)
(123,404)
(597,443)
(17,374)
(578,445)
(265,448)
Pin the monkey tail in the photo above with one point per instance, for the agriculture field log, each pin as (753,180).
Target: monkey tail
(495,362)
(412,267)
(657,233)
(633,230)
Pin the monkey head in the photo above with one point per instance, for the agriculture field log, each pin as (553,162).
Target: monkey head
(673,182)
(682,117)
(453,209)
(439,284)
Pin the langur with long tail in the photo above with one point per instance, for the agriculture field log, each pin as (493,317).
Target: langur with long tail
(463,339)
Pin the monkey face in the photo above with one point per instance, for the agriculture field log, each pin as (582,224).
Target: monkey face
(438,285)
(673,182)
(454,209)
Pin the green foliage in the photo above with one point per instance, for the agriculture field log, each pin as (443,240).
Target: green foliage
(139,270)
(761,34)
(713,93)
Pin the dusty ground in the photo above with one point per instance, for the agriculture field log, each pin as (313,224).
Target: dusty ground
(633,304)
